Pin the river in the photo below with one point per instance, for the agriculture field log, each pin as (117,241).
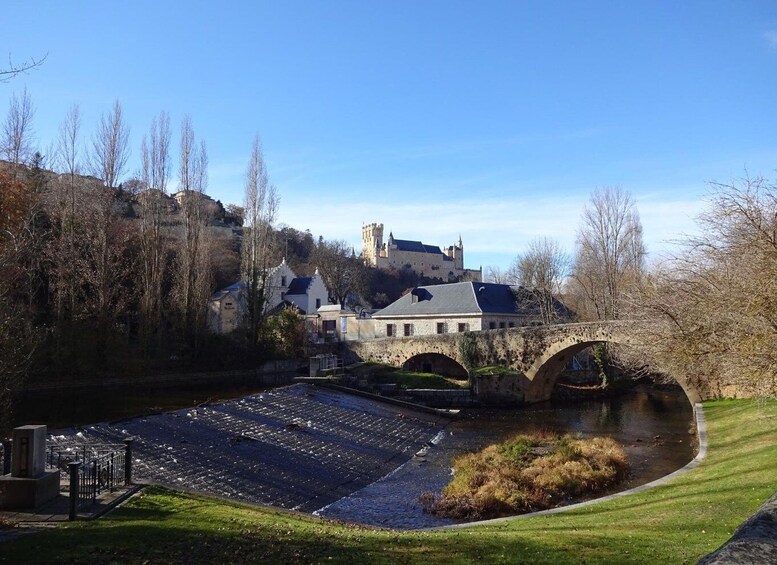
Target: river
(336,455)
(655,427)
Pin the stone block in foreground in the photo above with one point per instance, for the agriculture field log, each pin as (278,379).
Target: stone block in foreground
(754,541)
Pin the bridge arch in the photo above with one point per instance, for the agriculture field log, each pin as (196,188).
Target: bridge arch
(548,366)
(436,363)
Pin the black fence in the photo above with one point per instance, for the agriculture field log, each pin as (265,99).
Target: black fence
(90,470)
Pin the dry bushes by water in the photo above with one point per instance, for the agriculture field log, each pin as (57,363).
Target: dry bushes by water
(528,473)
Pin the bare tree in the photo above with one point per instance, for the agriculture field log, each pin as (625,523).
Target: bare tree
(610,253)
(15,69)
(68,146)
(713,308)
(155,157)
(193,280)
(339,267)
(495,274)
(543,268)
(202,283)
(16,143)
(110,147)
(64,252)
(17,206)
(105,237)
(260,208)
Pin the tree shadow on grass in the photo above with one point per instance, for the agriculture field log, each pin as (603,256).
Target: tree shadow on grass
(145,514)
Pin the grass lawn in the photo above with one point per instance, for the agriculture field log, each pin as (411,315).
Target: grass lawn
(496,370)
(674,523)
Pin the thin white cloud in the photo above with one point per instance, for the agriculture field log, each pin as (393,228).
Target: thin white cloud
(770,37)
(493,226)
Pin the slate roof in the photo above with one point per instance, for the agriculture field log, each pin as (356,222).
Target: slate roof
(299,285)
(219,294)
(463,298)
(231,289)
(416,246)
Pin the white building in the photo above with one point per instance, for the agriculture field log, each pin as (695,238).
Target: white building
(227,307)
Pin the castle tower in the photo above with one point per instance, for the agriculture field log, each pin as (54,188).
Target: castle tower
(372,241)
(458,255)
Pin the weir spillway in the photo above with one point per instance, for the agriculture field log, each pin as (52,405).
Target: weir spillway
(297,447)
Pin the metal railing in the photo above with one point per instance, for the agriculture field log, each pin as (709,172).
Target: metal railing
(91,469)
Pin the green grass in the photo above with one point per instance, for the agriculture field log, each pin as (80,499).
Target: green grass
(496,370)
(675,523)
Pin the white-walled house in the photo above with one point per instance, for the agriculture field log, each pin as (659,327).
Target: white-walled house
(307,293)
(224,309)
(283,287)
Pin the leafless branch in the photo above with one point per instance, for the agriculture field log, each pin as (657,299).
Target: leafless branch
(15,69)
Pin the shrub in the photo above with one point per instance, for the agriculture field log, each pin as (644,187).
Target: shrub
(528,473)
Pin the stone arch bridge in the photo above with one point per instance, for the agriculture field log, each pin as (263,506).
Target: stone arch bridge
(538,353)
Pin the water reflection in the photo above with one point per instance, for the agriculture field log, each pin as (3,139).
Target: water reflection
(655,427)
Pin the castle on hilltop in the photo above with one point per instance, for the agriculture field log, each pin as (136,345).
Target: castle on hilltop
(426,260)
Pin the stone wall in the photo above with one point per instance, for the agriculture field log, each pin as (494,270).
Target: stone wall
(427,264)
(427,325)
(446,398)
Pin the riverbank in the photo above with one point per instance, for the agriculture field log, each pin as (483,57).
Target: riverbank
(675,523)
(75,403)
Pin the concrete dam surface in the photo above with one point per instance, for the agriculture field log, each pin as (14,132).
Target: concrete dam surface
(297,447)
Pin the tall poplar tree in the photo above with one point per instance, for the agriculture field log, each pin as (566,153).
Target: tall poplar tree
(261,205)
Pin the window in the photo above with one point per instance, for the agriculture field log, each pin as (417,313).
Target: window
(491,325)
(228,306)
(512,324)
(440,327)
(501,324)
(318,303)
(408,330)
(283,281)
(390,330)
(462,328)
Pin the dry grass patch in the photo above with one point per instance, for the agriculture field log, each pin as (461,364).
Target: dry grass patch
(528,473)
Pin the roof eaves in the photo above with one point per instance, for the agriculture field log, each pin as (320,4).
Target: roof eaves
(427,315)
(475,296)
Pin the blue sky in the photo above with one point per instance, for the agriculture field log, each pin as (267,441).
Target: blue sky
(495,120)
